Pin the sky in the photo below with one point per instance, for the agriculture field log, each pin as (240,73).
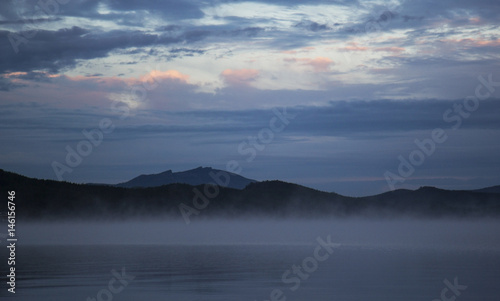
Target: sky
(353,97)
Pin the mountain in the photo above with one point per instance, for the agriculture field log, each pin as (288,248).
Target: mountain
(438,202)
(197,176)
(492,189)
(49,200)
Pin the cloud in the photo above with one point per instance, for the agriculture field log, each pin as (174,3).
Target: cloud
(5,84)
(274,53)
(247,32)
(171,9)
(353,46)
(319,64)
(306,2)
(312,26)
(473,43)
(352,120)
(157,75)
(57,50)
(239,77)
(157,89)
(119,10)
(395,50)
(31,21)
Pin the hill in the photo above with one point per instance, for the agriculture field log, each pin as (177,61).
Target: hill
(492,189)
(46,199)
(197,176)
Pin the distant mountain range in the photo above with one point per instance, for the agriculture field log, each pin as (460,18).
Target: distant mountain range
(197,176)
(47,199)
(493,189)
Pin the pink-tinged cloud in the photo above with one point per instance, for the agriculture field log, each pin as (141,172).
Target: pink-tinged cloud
(473,42)
(157,75)
(396,50)
(110,83)
(65,91)
(319,64)
(14,74)
(475,20)
(353,46)
(239,77)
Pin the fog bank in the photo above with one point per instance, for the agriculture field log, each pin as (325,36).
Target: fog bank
(466,234)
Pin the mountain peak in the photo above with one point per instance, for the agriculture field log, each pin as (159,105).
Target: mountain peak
(198,176)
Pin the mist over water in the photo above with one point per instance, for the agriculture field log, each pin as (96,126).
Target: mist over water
(414,233)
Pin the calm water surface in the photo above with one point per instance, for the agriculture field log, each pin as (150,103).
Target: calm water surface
(252,272)
(358,269)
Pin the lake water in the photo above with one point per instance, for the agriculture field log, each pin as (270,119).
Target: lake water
(377,269)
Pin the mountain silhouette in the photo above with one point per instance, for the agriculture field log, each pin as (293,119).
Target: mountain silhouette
(492,189)
(197,176)
(48,200)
